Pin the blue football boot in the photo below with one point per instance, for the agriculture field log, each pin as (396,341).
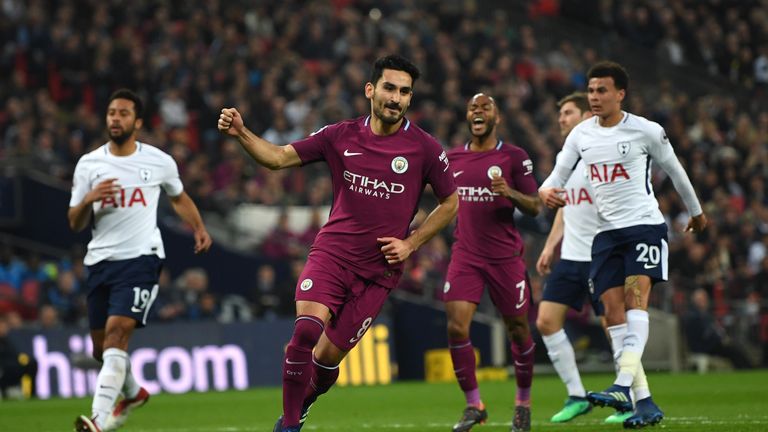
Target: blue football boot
(646,413)
(615,396)
(304,414)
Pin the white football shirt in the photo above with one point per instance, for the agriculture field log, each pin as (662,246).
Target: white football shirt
(125,226)
(579,217)
(618,166)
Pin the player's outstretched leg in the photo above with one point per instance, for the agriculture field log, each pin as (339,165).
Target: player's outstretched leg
(123,409)
(615,396)
(574,407)
(85,424)
(647,413)
(522,420)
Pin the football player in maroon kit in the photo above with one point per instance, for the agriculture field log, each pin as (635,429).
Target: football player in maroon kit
(493,179)
(379,164)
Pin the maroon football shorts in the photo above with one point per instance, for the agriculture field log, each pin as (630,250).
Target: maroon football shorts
(354,302)
(507,284)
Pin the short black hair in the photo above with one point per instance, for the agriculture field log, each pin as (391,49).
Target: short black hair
(395,62)
(124,93)
(578,98)
(605,69)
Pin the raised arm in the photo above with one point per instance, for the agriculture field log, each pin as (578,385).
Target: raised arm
(262,151)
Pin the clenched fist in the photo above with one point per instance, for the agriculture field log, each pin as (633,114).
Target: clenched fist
(230,122)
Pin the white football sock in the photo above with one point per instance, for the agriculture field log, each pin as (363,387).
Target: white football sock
(634,344)
(563,358)
(640,384)
(109,383)
(130,387)
(617,332)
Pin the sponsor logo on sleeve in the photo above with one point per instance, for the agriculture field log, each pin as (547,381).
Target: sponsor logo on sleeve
(528,165)
(444,159)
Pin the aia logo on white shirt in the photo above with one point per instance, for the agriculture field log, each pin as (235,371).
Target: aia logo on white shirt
(124,199)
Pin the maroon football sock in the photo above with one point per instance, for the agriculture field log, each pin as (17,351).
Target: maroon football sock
(464,364)
(323,378)
(522,354)
(297,367)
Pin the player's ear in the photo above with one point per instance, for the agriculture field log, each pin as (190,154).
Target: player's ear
(369,90)
(138,123)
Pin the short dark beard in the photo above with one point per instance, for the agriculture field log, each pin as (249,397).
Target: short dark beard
(122,138)
(388,119)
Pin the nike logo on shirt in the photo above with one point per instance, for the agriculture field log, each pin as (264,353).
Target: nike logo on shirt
(457,173)
(349,153)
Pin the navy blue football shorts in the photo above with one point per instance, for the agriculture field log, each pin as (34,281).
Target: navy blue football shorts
(125,288)
(568,284)
(631,251)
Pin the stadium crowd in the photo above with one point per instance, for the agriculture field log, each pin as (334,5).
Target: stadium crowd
(293,66)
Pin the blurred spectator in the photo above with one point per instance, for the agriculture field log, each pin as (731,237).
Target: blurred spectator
(274,296)
(281,244)
(13,365)
(706,336)
(64,296)
(307,237)
(48,318)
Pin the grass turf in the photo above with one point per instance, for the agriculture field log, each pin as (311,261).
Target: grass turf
(724,402)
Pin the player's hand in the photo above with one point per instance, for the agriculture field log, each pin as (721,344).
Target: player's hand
(105,189)
(395,250)
(697,223)
(230,122)
(544,262)
(551,197)
(499,185)
(203,241)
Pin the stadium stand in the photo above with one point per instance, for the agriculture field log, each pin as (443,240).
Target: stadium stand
(700,68)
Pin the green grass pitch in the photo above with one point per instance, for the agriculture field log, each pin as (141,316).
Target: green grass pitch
(723,402)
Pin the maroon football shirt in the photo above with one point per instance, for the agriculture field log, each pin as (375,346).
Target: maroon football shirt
(486,230)
(377,183)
